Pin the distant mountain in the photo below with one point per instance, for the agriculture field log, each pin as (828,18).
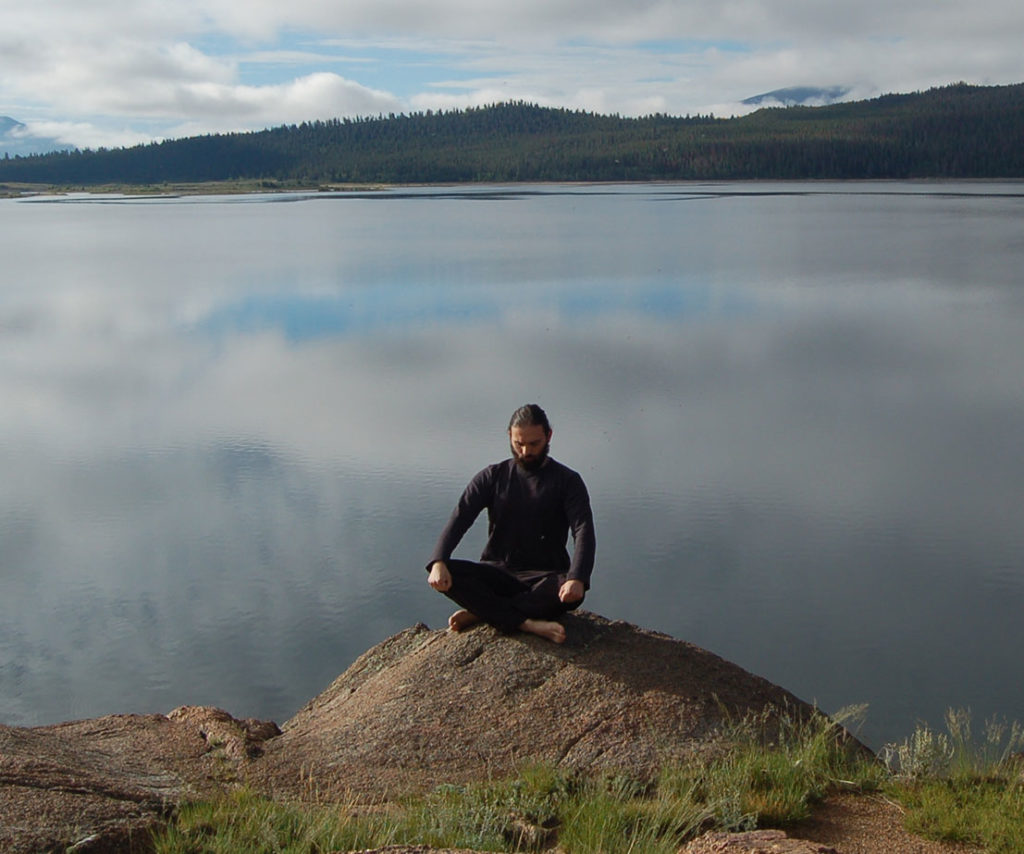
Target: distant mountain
(14,141)
(800,96)
(956,131)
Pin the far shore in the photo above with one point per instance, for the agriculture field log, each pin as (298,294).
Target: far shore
(247,186)
(190,188)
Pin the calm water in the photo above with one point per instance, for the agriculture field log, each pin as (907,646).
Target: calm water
(231,428)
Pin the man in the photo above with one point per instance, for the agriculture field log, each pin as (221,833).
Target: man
(524,578)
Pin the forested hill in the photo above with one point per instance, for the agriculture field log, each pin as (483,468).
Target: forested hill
(957,131)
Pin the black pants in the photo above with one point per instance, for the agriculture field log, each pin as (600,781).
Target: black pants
(505,597)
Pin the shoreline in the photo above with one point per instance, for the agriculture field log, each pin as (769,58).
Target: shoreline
(242,186)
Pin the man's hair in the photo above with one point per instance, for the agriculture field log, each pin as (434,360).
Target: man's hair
(530,415)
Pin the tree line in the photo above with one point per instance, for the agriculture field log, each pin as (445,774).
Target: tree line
(957,131)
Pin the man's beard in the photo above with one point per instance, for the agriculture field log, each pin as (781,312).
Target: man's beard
(535,462)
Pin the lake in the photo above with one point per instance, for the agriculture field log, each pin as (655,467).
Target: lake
(232,427)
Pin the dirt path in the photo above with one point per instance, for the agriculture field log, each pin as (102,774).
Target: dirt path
(868,824)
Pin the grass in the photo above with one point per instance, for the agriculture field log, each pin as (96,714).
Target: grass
(962,788)
(952,786)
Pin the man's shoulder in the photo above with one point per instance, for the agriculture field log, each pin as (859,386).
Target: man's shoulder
(497,468)
(562,471)
(494,471)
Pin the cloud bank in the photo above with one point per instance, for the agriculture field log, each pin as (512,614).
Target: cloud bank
(113,72)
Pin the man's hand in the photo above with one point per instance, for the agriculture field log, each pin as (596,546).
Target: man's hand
(439,578)
(571,591)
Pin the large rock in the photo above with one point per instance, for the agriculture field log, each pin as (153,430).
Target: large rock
(427,707)
(421,708)
(103,784)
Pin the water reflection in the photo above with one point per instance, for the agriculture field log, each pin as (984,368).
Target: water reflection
(232,430)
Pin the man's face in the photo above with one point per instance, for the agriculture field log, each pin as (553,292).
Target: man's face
(529,445)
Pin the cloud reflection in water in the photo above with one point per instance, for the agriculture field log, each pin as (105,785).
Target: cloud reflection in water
(222,475)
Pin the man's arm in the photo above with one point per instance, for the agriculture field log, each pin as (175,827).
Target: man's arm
(581,525)
(474,499)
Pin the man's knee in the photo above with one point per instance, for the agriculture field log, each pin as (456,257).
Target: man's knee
(463,572)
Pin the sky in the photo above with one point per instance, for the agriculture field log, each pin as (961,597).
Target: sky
(91,73)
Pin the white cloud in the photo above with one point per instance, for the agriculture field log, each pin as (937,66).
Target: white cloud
(154,69)
(322,95)
(84,134)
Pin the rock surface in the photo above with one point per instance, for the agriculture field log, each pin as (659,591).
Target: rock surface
(754,842)
(102,784)
(421,708)
(427,707)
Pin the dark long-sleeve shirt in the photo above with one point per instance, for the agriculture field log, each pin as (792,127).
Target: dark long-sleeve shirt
(530,515)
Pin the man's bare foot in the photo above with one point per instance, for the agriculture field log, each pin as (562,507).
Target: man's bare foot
(548,629)
(462,619)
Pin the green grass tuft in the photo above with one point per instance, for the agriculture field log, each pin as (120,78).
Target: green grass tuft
(961,788)
(982,811)
(245,821)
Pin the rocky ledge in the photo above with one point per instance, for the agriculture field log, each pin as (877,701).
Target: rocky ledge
(421,708)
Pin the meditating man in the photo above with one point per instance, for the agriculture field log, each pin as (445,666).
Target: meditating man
(524,579)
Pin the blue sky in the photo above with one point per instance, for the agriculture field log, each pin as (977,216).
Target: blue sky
(118,72)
